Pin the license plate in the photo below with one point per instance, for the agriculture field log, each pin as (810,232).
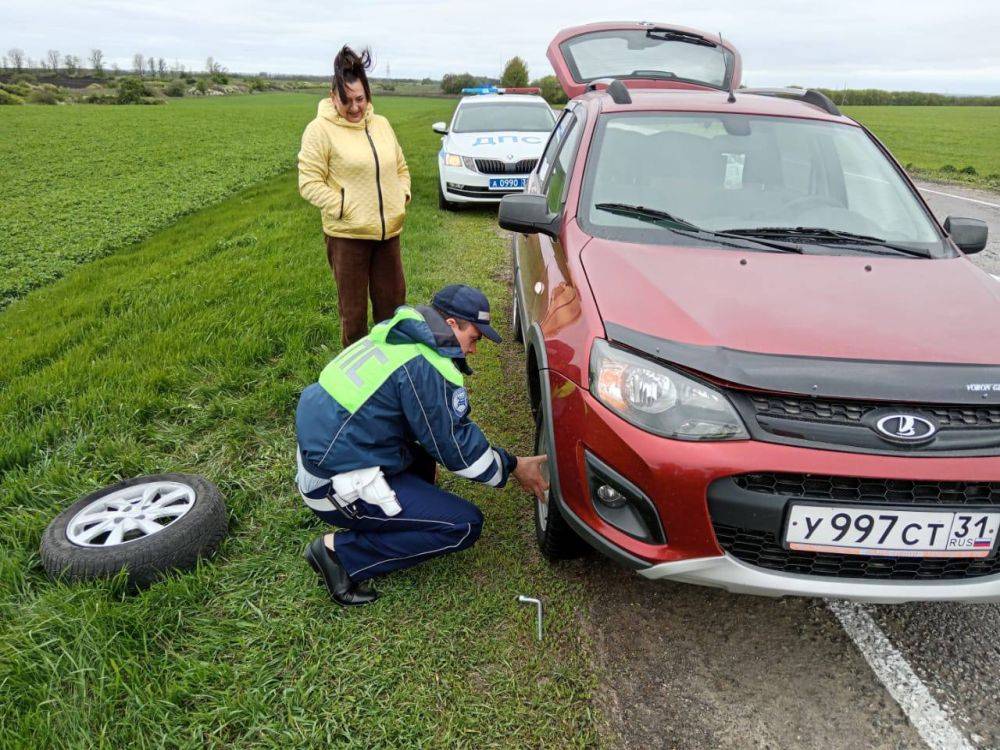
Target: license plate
(507,183)
(853,530)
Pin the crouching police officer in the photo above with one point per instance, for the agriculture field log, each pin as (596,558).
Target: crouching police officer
(370,431)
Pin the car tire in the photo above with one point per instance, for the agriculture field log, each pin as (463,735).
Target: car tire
(443,203)
(556,539)
(188,510)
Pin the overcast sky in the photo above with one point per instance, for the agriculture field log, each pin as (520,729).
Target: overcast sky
(951,47)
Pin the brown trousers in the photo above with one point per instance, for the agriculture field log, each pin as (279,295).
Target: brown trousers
(363,268)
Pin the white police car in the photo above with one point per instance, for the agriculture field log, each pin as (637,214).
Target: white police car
(492,144)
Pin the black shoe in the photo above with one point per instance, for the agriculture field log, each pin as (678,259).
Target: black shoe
(334,576)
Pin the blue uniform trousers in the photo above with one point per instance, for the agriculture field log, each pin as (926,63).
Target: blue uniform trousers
(433,522)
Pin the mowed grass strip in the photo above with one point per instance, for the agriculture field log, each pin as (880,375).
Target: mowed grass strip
(939,142)
(187,352)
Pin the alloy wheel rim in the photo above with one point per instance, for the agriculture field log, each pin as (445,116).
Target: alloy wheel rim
(130,514)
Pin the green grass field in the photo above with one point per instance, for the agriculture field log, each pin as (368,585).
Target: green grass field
(84,180)
(927,139)
(187,351)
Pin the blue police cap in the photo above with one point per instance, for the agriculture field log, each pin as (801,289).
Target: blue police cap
(466,303)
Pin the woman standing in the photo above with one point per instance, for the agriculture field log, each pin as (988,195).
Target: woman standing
(352,168)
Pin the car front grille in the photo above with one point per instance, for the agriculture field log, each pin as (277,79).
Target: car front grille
(762,549)
(496,166)
(852,412)
(864,490)
(844,424)
(749,512)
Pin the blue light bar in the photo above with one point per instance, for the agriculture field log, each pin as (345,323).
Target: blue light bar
(482,90)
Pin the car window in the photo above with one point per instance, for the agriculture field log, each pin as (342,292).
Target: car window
(545,163)
(555,189)
(492,117)
(732,171)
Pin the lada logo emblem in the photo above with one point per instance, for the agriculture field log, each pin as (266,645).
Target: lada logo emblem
(907,427)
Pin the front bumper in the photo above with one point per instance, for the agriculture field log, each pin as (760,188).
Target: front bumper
(676,477)
(726,572)
(461,185)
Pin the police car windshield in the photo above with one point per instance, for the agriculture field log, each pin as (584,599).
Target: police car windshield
(492,117)
(756,176)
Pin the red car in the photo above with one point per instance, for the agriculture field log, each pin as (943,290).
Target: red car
(757,360)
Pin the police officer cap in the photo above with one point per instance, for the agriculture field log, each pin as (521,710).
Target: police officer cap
(466,303)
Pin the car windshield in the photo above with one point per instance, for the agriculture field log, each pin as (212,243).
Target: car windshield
(749,174)
(630,53)
(492,117)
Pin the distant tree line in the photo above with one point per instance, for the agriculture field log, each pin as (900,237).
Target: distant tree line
(17,61)
(861,97)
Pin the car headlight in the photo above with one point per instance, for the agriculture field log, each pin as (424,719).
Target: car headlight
(660,400)
(452,160)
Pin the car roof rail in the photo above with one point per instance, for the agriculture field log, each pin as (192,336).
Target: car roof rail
(617,90)
(809,96)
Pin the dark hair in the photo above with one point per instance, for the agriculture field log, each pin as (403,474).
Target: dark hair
(348,67)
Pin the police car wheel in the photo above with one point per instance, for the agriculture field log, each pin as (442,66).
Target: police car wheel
(443,203)
(145,526)
(556,540)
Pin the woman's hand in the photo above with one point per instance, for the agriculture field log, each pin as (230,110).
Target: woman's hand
(528,474)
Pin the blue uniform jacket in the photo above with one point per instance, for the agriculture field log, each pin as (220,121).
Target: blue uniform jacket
(415,404)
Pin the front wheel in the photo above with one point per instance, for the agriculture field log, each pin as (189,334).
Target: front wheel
(556,540)
(443,203)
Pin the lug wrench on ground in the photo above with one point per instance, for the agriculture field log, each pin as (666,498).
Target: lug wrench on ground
(538,607)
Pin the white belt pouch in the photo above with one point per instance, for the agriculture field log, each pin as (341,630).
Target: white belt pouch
(368,485)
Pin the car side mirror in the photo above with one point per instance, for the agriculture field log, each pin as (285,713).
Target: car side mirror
(968,234)
(440,127)
(528,214)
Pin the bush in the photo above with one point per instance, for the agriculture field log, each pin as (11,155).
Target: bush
(132,91)
(7,97)
(43,96)
(551,89)
(453,83)
(968,170)
(220,78)
(100,99)
(176,87)
(257,84)
(201,86)
(948,168)
(17,89)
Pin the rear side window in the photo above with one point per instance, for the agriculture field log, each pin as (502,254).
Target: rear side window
(555,190)
(548,156)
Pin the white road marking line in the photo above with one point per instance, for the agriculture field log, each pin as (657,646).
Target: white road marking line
(960,197)
(893,671)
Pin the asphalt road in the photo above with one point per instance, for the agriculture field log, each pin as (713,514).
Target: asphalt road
(689,667)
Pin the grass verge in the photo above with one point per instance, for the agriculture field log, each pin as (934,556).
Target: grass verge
(187,352)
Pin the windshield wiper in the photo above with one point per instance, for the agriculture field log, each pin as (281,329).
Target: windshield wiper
(686,228)
(822,233)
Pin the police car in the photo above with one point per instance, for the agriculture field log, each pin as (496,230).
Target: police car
(492,144)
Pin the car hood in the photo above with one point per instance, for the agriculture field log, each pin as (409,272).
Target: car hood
(843,307)
(506,145)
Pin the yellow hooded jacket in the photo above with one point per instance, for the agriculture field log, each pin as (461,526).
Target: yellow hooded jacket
(355,173)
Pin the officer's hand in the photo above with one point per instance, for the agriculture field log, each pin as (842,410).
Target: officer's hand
(529,475)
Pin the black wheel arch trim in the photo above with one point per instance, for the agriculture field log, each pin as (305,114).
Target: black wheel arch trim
(536,342)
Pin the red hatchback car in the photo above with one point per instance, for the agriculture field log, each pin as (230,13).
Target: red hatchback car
(757,360)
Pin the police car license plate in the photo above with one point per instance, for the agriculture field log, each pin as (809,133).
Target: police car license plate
(507,183)
(893,532)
